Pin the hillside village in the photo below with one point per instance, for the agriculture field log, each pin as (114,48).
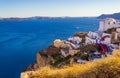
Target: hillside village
(83,47)
(106,39)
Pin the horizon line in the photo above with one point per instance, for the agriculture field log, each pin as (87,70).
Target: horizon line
(54,16)
(45,16)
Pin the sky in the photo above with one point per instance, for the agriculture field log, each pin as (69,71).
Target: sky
(57,8)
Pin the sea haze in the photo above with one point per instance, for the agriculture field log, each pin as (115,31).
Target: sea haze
(20,40)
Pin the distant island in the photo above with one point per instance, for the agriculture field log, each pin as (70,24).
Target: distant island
(103,16)
(37,18)
(29,18)
(115,15)
(40,17)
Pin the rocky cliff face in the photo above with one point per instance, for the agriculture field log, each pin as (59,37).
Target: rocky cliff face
(57,54)
(72,50)
(44,57)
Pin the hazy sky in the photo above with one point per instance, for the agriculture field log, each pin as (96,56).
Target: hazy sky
(27,8)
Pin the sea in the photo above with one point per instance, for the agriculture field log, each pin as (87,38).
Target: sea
(20,40)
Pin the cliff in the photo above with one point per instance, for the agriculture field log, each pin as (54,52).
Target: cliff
(43,58)
(82,48)
(62,53)
(57,55)
(104,68)
(115,15)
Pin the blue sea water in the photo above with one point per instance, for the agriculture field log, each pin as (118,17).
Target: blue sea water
(20,40)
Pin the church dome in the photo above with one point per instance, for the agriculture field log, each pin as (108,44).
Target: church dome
(110,21)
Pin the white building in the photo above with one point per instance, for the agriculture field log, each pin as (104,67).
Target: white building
(106,34)
(75,46)
(106,38)
(119,46)
(93,35)
(118,30)
(75,40)
(90,40)
(106,41)
(117,34)
(108,23)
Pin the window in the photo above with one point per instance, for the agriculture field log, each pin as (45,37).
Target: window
(113,22)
